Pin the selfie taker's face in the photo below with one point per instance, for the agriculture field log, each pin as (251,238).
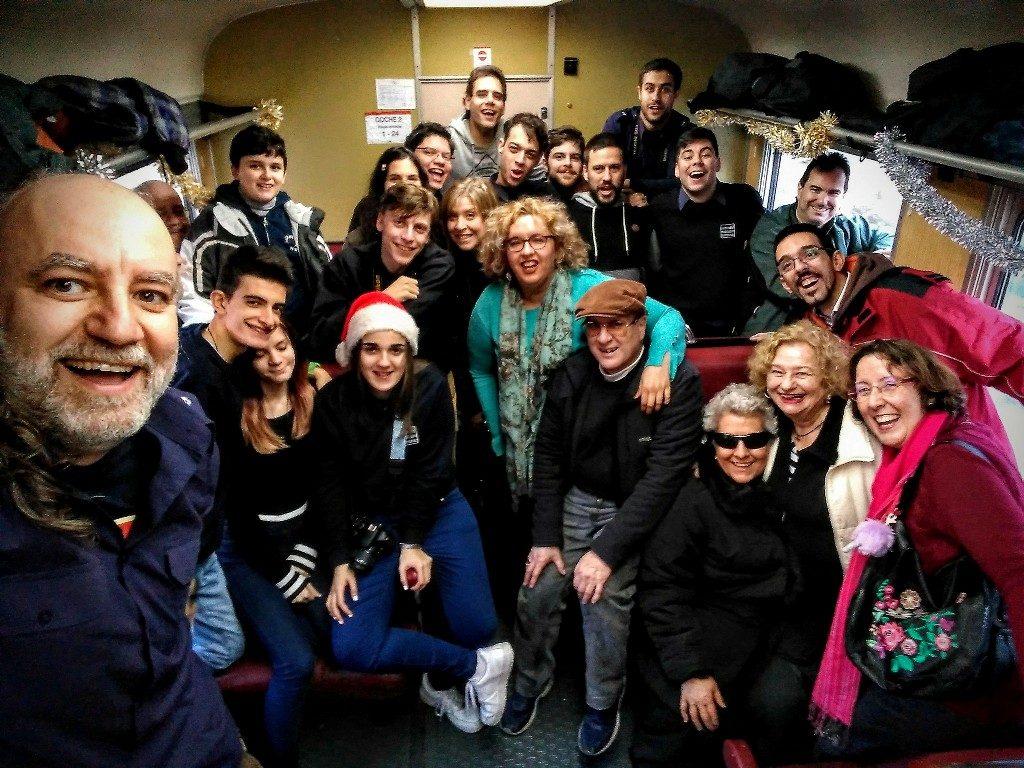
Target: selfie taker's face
(88,323)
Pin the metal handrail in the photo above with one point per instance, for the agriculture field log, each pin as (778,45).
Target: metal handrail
(978,165)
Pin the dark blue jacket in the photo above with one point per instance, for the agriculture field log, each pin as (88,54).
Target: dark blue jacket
(650,155)
(96,664)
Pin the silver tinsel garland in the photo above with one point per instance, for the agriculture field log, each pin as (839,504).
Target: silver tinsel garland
(89,162)
(911,179)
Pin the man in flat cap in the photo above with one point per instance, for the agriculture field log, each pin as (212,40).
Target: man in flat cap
(604,474)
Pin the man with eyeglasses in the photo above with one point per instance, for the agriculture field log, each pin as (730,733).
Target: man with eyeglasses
(702,232)
(649,131)
(865,296)
(819,198)
(604,475)
(525,142)
(404,264)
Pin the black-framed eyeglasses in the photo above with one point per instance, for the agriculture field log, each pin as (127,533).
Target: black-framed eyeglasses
(516,244)
(886,386)
(613,325)
(753,441)
(805,256)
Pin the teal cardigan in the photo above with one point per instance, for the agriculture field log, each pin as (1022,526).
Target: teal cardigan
(666,332)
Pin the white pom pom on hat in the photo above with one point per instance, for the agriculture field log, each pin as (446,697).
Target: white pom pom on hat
(372,312)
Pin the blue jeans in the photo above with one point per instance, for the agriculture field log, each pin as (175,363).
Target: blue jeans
(366,642)
(288,634)
(605,623)
(890,726)
(217,637)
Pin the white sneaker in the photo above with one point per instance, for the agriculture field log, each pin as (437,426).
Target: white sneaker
(487,689)
(451,705)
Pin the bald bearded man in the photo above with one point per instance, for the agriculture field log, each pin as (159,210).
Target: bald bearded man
(107,481)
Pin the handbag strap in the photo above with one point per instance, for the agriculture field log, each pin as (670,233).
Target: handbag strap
(910,487)
(906,499)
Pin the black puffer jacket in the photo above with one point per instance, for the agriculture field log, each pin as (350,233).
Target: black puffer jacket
(713,576)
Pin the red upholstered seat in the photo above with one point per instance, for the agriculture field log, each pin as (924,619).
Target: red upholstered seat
(737,754)
(720,362)
(252,676)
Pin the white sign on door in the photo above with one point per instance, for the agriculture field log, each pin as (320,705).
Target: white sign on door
(387,127)
(481,56)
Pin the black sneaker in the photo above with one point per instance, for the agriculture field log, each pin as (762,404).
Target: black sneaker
(598,731)
(520,711)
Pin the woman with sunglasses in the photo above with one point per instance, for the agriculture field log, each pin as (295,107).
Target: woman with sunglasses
(393,517)
(819,473)
(715,574)
(959,494)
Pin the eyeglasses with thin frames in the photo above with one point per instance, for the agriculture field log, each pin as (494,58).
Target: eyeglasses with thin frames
(887,386)
(614,325)
(430,153)
(805,256)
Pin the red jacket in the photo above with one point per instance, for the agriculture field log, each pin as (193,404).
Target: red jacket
(983,346)
(974,505)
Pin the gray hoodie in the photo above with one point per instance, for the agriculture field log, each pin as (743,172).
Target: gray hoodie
(470,160)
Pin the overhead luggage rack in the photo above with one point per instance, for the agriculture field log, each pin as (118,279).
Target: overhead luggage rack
(988,168)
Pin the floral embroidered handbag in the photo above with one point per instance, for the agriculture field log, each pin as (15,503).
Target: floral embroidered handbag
(939,636)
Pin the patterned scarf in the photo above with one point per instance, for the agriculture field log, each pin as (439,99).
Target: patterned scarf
(835,690)
(522,372)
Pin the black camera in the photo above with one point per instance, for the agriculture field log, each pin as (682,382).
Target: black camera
(372,541)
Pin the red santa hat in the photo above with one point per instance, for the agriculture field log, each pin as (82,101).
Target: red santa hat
(372,312)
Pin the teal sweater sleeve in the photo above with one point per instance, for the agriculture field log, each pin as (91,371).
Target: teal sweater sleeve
(482,339)
(666,331)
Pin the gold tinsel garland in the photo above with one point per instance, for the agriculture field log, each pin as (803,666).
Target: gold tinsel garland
(808,139)
(187,185)
(269,114)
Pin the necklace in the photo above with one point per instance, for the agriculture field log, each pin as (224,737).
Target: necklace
(209,334)
(815,428)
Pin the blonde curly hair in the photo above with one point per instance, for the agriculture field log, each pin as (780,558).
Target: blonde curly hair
(830,355)
(571,251)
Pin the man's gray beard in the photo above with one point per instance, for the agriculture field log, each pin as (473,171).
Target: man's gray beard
(85,425)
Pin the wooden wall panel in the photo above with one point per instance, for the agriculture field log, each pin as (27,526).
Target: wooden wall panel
(920,245)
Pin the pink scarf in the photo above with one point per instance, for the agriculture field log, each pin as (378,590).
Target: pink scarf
(835,690)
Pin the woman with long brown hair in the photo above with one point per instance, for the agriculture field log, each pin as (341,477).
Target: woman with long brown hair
(267,556)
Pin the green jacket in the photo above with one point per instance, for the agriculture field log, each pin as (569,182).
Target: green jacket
(847,234)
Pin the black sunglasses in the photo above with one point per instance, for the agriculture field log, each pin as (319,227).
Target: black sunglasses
(753,441)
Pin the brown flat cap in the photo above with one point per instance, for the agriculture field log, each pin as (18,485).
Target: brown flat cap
(613,298)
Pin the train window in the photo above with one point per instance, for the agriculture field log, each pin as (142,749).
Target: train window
(148,172)
(871,194)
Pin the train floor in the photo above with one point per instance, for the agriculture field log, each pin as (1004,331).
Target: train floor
(405,733)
